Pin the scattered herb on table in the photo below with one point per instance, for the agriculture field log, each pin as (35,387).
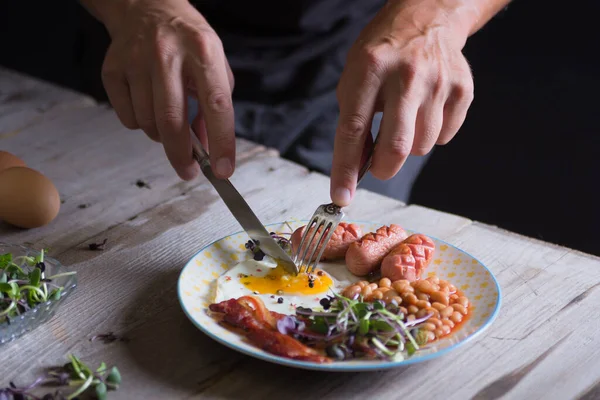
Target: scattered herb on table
(349,329)
(73,374)
(142,184)
(24,284)
(109,338)
(98,246)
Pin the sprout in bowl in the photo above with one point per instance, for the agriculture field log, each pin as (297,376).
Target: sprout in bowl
(32,286)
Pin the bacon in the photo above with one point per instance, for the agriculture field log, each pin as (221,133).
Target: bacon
(250,314)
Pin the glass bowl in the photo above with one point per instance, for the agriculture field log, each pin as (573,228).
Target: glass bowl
(26,321)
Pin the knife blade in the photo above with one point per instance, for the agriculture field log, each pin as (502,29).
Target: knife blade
(242,211)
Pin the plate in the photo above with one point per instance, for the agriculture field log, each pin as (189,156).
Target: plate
(195,291)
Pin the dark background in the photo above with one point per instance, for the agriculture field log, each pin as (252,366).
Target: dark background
(527,157)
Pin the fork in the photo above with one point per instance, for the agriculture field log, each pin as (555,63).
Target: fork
(328,217)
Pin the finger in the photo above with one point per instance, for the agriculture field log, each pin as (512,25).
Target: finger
(143,105)
(430,118)
(397,130)
(170,112)
(200,130)
(457,105)
(357,93)
(117,91)
(214,98)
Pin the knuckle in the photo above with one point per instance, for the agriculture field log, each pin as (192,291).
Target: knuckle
(170,118)
(421,150)
(374,57)
(218,101)
(398,148)
(165,48)
(441,83)
(353,128)
(410,71)
(206,42)
(464,90)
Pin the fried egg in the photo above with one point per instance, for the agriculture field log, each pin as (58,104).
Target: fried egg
(280,291)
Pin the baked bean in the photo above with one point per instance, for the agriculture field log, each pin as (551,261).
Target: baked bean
(439,297)
(454,297)
(434,313)
(428,326)
(399,286)
(443,283)
(352,291)
(422,296)
(434,279)
(422,313)
(446,329)
(456,317)
(362,284)
(448,322)
(436,288)
(411,317)
(458,307)
(403,310)
(447,312)
(438,306)
(412,309)
(452,288)
(389,295)
(385,282)
(430,336)
(373,286)
(377,295)
(410,298)
(398,301)
(439,333)
(424,287)
(423,304)
(384,289)
(435,321)
(366,291)
(368,297)
(463,301)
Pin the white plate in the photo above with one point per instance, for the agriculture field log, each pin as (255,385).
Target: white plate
(195,291)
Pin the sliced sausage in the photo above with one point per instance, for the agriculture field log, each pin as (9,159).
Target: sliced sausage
(409,259)
(366,255)
(343,236)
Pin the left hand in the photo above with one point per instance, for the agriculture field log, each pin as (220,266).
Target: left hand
(408,63)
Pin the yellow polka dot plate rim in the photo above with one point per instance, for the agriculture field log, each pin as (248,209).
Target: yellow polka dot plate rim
(196,291)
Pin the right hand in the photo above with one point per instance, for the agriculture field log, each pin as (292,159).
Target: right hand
(161,52)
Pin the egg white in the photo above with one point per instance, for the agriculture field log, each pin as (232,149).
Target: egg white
(229,286)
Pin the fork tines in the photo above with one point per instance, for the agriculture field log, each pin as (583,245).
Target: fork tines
(324,222)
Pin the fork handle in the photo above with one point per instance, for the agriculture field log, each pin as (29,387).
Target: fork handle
(367,156)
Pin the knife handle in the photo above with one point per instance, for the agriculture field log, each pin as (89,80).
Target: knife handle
(199,154)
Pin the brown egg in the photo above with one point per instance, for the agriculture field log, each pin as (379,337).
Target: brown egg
(27,198)
(8,160)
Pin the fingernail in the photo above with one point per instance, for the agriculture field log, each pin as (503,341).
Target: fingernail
(342,196)
(223,167)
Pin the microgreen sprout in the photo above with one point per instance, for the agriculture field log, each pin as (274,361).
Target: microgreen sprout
(352,328)
(98,246)
(75,374)
(24,284)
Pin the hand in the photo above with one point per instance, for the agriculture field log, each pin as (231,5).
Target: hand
(407,63)
(162,51)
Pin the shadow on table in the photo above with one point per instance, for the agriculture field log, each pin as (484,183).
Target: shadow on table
(168,347)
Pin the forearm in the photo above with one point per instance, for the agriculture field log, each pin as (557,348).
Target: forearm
(112,12)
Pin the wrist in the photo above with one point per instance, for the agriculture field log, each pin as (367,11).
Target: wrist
(457,17)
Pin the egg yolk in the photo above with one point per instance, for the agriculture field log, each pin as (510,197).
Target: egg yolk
(278,281)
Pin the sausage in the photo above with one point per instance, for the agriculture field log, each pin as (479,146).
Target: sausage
(409,259)
(336,248)
(365,255)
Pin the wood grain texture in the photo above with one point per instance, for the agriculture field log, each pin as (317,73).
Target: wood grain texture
(544,344)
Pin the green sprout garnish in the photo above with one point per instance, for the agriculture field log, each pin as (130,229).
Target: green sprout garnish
(24,284)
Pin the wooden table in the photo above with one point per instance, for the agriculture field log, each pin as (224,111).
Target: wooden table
(545,342)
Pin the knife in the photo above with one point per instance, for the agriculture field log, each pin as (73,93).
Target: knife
(242,211)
